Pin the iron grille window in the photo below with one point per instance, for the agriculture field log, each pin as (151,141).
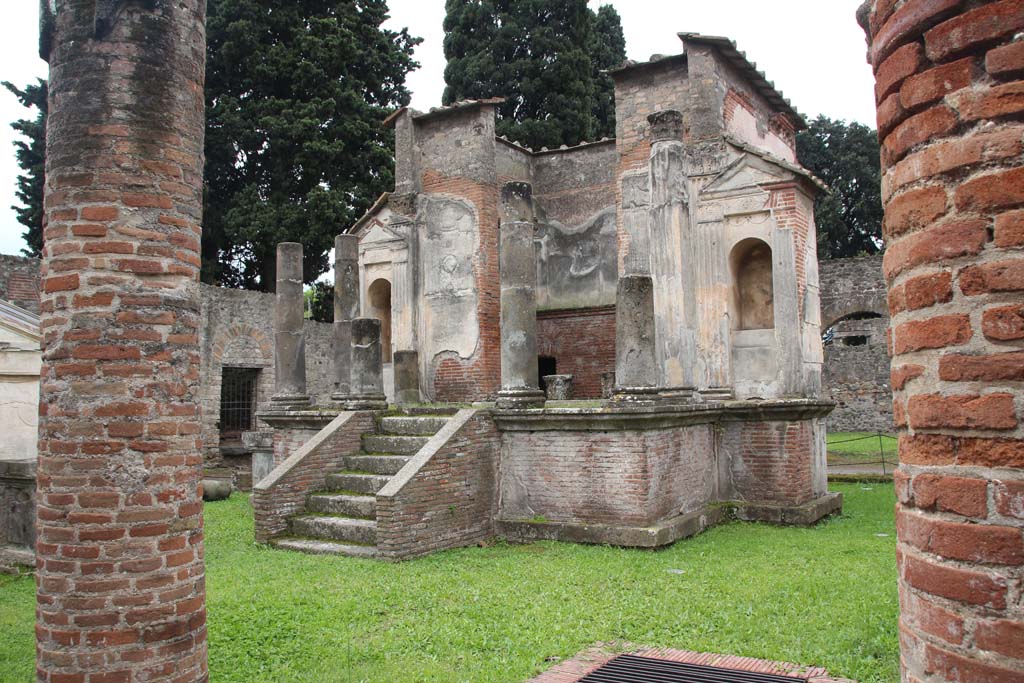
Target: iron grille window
(237,401)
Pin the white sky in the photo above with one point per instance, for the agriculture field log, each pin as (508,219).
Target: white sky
(812,49)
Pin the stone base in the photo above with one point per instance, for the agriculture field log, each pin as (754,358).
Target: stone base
(655,536)
(680,396)
(636,396)
(279,402)
(366,402)
(14,559)
(262,465)
(718,394)
(520,399)
(799,515)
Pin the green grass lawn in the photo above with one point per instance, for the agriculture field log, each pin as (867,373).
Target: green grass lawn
(853,447)
(823,596)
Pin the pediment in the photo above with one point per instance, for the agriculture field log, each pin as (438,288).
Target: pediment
(747,172)
(376,233)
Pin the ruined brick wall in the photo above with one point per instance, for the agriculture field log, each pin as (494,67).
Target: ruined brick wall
(284,492)
(770,461)
(451,499)
(950,106)
(237,330)
(615,477)
(582,342)
(856,377)
(19,281)
(120,574)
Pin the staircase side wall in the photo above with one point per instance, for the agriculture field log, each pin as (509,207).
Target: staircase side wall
(283,492)
(446,496)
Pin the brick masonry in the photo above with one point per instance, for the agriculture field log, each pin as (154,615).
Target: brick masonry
(19,281)
(120,574)
(582,342)
(284,491)
(451,499)
(950,109)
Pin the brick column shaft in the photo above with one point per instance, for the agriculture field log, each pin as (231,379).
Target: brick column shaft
(951,121)
(120,531)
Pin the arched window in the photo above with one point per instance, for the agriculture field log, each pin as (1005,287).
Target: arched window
(379,300)
(753,291)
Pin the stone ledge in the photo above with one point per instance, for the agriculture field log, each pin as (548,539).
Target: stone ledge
(661,534)
(299,419)
(14,559)
(626,417)
(799,515)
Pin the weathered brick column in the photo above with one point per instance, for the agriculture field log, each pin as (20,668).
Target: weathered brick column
(346,309)
(636,359)
(289,331)
(120,547)
(367,390)
(951,120)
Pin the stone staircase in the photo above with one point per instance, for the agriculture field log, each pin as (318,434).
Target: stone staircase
(343,519)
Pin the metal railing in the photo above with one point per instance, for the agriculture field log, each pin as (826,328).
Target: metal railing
(884,455)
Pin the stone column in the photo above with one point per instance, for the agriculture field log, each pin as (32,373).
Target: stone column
(289,331)
(671,255)
(636,360)
(949,78)
(346,309)
(120,575)
(518,272)
(367,367)
(407,377)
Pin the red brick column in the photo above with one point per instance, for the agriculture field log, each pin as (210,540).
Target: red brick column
(951,120)
(120,549)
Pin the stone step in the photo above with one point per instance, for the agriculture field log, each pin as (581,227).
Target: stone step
(342,504)
(393,445)
(367,484)
(317,547)
(350,529)
(376,463)
(412,426)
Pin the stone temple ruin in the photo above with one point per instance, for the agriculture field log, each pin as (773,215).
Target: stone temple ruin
(667,281)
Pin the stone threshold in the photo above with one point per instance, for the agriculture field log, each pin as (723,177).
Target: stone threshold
(671,530)
(589,661)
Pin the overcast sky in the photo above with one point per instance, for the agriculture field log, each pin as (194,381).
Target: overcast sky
(812,49)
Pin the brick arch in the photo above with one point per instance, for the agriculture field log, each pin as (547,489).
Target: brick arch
(242,342)
(850,287)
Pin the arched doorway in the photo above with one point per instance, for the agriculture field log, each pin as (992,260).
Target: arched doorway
(378,298)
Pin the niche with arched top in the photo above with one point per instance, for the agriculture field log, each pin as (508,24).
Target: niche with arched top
(753,290)
(378,298)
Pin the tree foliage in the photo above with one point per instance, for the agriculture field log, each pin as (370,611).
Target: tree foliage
(544,57)
(296,91)
(846,157)
(31,155)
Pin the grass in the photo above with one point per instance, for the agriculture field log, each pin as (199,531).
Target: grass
(824,596)
(854,447)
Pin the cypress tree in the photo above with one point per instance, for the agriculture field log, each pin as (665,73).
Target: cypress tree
(31,157)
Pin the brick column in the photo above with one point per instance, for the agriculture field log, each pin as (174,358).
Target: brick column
(120,549)
(346,309)
(289,331)
(950,104)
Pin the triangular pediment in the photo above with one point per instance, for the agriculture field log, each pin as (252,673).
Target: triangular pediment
(746,173)
(374,233)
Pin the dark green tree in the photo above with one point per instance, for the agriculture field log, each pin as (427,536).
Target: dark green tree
(846,157)
(296,91)
(31,155)
(544,57)
(607,51)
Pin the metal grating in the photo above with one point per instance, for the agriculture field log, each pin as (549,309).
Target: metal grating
(633,669)
(237,402)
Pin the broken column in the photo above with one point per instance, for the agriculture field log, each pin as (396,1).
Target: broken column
(518,273)
(671,255)
(949,79)
(120,574)
(407,377)
(346,309)
(636,360)
(367,377)
(289,331)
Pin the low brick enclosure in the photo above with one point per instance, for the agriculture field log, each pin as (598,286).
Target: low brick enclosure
(950,104)
(283,492)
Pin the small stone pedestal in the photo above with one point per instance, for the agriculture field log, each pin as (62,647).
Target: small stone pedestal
(407,377)
(367,367)
(636,363)
(558,387)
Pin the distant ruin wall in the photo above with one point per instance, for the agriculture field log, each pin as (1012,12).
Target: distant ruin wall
(856,370)
(19,281)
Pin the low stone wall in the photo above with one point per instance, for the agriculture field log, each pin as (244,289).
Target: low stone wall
(857,379)
(283,492)
(446,496)
(17,512)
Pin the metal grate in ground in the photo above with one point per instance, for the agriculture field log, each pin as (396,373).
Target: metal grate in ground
(633,669)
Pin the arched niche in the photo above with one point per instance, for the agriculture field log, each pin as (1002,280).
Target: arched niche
(378,298)
(753,295)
